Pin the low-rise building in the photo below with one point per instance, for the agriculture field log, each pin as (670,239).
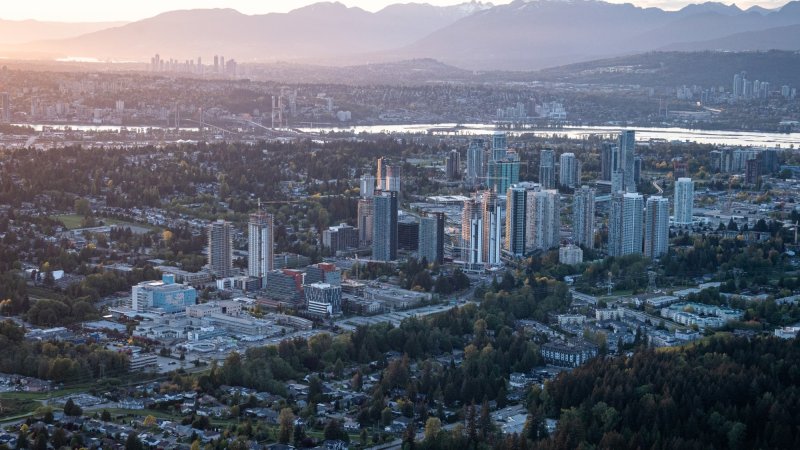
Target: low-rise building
(701,315)
(142,361)
(568,353)
(787,332)
(570,254)
(323,299)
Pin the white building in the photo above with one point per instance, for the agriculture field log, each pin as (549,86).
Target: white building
(570,254)
(260,243)
(787,332)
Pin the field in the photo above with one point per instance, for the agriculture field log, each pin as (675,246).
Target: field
(73,221)
(15,407)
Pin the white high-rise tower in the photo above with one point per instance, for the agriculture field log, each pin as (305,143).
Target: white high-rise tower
(260,243)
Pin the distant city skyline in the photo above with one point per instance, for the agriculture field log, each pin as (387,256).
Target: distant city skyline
(102,10)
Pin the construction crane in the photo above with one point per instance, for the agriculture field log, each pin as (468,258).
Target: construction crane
(729,202)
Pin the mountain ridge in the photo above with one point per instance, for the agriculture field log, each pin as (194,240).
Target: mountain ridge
(521,35)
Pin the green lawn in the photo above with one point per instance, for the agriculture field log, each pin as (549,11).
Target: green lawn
(44,395)
(11,408)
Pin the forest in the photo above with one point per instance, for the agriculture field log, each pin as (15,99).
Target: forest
(724,392)
(61,362)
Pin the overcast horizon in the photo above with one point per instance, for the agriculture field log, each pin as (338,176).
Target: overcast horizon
(104,11)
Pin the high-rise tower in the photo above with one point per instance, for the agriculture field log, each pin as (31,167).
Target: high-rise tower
(220,248)
(583,217)
(625,224)
(260,245)
(384,235)
(656,227)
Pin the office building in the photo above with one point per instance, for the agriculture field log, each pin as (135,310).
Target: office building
(260,245)
(431,238)
(492,228)
(384,226)
(518,199)
(684,201)
(323,273)
(364,218)
(220,249)
(547,169)
(583,217)
(367,186)
(164,295)
(625,224)
(323,299)
(627,150)
(503,173)
(453,165)
(569,170)
(340,238)
(476,169)
(544,220)
(656,227)
(285,286)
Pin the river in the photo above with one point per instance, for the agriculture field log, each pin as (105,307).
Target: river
(643,134)
(732,138)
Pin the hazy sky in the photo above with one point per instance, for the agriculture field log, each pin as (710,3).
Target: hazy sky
(129,10)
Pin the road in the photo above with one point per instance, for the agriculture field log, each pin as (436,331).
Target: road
(658,188)
(583,297)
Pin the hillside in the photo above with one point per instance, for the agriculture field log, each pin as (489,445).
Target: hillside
(20,31)
(779,38)
(705,68)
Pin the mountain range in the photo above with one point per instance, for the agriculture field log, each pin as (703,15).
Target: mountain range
(521,35)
